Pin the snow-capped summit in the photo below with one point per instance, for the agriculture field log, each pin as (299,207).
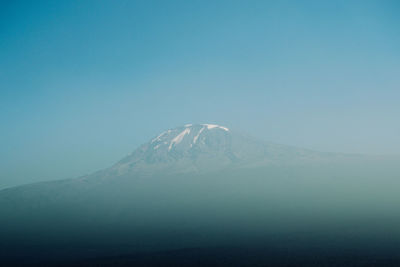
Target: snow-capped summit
(200,147)
(190,134)
(188,147)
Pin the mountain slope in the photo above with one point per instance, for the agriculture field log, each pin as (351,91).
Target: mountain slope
(207,147)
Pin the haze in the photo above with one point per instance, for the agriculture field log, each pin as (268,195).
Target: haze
(83,83)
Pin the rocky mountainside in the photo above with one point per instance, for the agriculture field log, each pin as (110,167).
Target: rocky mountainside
(206,147)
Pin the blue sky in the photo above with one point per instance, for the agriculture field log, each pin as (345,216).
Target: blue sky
(82,83)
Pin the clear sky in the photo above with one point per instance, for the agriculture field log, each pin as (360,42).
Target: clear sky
(82,83)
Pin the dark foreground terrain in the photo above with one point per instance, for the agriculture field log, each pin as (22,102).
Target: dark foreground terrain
(277,255)
(305,215)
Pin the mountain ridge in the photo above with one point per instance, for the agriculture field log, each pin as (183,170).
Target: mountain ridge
(205,147)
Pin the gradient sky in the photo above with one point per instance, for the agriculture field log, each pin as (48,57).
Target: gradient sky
(82,83)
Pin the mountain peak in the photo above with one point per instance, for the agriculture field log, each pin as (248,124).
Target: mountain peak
(212,126)
(202,147)
(173,137)
(189,147)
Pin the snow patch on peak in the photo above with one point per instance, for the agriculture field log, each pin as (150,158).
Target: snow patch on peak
(197,136)
(179,138)
(212,126)
(188,125)
(158,137)
(157,146)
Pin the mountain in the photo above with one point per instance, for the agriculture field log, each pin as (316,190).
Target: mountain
(210,188)
(204,148)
